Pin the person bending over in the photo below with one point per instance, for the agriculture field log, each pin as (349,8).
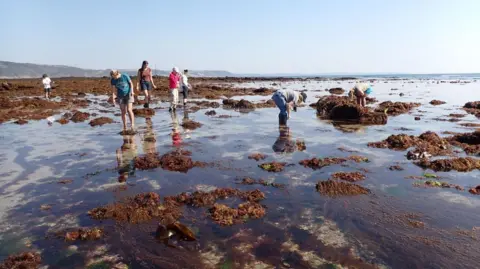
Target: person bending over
(122,93)
(285,99)
(360,91)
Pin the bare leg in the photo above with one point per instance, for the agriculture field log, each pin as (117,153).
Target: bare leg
(147,96)
(130,115)
(364,101)
(123,109)
(359,101)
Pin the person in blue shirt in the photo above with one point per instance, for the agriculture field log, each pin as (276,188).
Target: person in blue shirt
(122,93)
(285,99)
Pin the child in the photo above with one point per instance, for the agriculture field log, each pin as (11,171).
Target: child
(185,86)
(46,81)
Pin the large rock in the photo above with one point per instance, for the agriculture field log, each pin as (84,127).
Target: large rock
(395,108)
(341,108)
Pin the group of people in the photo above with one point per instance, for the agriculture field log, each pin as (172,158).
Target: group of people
(123,90)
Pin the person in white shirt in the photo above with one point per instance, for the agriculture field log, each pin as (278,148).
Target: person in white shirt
(185,86)
(46,81)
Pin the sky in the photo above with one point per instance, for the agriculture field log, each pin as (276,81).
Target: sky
(246,36)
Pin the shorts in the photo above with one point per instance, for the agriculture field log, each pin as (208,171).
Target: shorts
(124,100)
(48,89)
(185,92)
(359,93)
(146,85)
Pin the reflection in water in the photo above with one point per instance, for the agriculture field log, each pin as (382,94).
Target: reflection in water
(149,140)
(349,128)
(176,137)
(125,158)
(284,142)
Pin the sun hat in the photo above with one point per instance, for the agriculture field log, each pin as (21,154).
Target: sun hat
(175,69)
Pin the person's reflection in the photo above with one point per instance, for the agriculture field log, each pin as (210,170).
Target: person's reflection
(149,140)
(186,131)
(125,158)
(176,137)
(284,142)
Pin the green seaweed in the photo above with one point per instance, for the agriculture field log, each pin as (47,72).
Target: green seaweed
(427,175)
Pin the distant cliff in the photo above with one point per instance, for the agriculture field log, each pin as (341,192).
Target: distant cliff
(26,70)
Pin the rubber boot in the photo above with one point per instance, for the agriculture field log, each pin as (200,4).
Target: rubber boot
(282,119)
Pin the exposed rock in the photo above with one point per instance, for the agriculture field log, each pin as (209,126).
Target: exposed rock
(25,260)
(470,142)
(257,156)
(191,125)
(437,102)
(20,122)
(273,166)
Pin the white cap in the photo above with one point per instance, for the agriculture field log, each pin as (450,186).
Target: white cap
(175,69)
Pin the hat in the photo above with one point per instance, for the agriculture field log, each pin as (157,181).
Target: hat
(304,96)
(175,69)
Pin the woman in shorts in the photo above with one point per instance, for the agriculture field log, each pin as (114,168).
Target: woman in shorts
(145,82)
(122,93)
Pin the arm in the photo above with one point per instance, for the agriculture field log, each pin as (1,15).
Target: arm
(139,76)
(288,110)
(114,94)
(131,87)
(151,79)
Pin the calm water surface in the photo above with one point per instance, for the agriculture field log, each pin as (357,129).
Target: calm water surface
(301,229)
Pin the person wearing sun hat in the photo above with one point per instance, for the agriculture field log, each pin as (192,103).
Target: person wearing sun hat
(285,99)
(360,91)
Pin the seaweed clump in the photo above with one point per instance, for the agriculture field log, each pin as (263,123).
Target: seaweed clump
(348,176)
(428,142)
(460,164)
(339,188)
(100,121)
(138,209)
(25,260)
(342,108)
(469,142)
(80,116)
(257,156)
(191,125)
(396,108)
(84,234)
(273,166)
(318,163)
(177,160)
(144,112)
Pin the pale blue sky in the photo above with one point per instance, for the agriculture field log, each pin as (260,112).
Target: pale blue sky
(246,36)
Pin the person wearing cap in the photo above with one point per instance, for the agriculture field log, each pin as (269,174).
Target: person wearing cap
(145,82)
(184,86)
(360,91)
(285,99)
(123,95)
(174,82)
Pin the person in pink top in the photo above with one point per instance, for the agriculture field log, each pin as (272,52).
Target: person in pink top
(174,82)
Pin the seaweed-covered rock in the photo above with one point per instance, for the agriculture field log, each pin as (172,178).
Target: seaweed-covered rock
(396,108)
(339,188)
(457,164)
(100,121)
(342,108)
(25,260)
(338,91)
(437,102)
(80,116)
(473,108)
(242,104)
(273,166)
(211,113)
(470,142)
(348,176)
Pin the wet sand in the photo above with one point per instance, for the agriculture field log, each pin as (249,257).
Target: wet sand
(52,175)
